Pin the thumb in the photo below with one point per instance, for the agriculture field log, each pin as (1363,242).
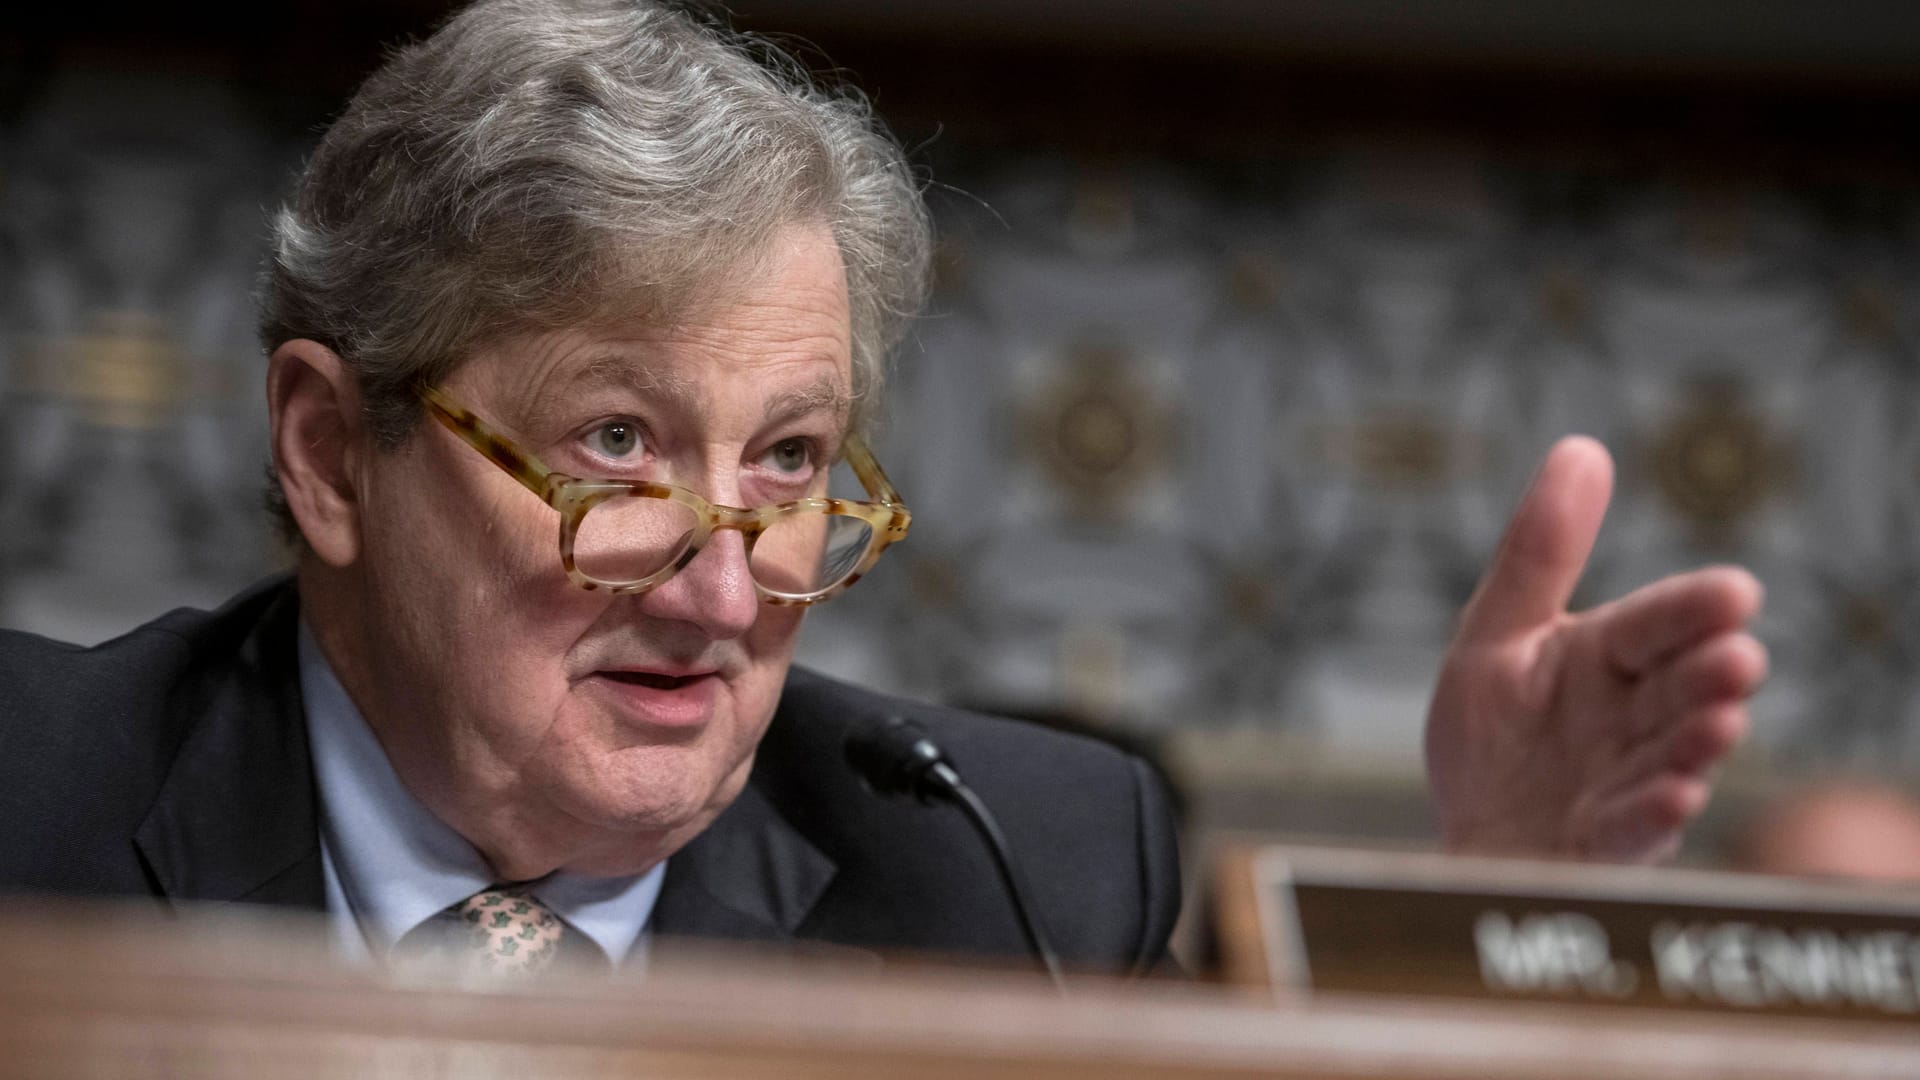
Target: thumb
(1546,545)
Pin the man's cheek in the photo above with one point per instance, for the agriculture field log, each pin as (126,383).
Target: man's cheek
(774,630)
(515,676)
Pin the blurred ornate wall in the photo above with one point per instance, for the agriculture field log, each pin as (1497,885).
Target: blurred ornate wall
(1222,402)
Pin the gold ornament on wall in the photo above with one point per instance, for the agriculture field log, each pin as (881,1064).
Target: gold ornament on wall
(1098,431)
(1716,461)
(1402,451)
(124,371)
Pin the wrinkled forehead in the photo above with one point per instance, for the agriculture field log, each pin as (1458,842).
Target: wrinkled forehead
(775,339)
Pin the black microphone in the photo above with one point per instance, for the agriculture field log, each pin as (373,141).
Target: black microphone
(895,756)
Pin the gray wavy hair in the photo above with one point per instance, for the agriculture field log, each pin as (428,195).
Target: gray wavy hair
(540,163)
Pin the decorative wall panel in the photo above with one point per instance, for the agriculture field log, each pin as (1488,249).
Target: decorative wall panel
(1185,458)
(133,421)
(1188,446)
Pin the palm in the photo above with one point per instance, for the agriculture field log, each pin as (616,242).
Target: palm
(1589,735)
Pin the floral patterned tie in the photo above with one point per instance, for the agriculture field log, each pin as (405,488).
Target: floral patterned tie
(510,932)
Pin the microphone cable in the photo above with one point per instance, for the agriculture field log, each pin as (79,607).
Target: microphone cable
(897,757)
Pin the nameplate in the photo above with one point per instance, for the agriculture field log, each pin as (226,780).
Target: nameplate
(1367,922)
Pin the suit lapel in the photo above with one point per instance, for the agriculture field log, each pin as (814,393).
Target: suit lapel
(235,819)
(751,876)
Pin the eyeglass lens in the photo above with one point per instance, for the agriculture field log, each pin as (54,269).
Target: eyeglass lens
(627,538)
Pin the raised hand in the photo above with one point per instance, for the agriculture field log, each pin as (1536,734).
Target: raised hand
(1587,735)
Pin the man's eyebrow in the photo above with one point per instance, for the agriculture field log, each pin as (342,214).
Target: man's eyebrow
(823,395)
(618,372)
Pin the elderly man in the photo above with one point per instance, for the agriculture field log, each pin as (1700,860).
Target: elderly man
(601,271)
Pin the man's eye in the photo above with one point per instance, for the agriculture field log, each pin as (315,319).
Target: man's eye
(790,455)
(616,438)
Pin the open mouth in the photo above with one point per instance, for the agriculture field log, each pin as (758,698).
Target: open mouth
(651,680)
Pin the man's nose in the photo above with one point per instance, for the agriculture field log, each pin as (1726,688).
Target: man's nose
(714,591)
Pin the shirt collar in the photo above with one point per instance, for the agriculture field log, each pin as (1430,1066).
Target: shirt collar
(398,865)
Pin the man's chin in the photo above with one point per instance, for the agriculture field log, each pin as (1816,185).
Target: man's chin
(639,815)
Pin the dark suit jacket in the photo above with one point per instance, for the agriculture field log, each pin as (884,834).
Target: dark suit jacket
(173,763)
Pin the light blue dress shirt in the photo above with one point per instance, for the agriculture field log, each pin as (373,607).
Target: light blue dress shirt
(390,864)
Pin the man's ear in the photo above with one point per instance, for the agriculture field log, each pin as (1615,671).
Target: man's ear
(314,403)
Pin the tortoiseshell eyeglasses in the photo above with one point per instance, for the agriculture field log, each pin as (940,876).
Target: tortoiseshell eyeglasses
(627,536)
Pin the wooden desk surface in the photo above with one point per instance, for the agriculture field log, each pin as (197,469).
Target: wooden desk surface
(97,993)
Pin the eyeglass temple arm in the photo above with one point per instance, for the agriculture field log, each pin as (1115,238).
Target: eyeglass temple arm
(867,469)
(497,448)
